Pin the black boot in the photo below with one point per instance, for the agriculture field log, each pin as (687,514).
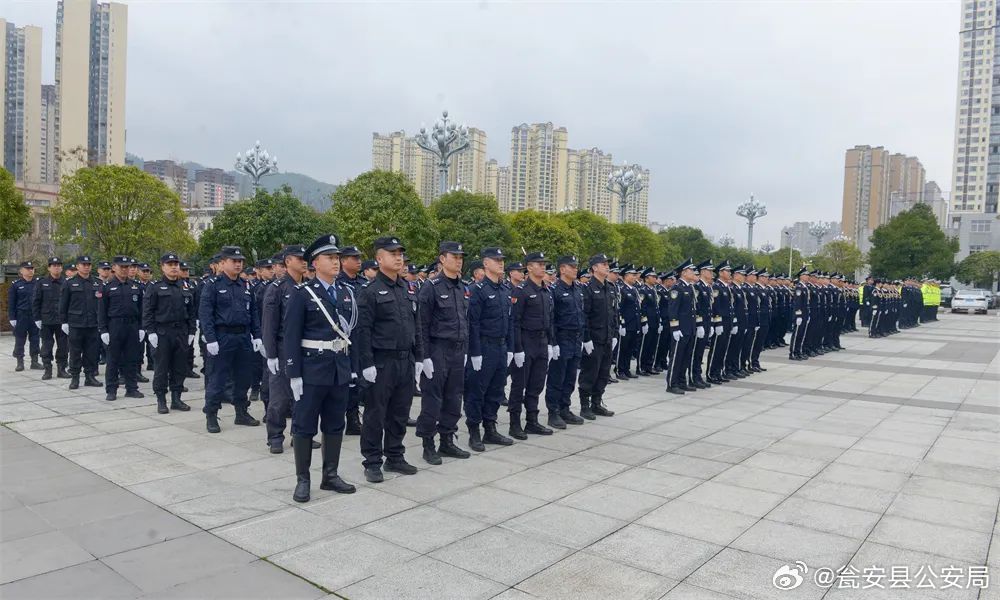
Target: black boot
(399,465)
(48,372)
(568,416)
(492,436)
(254,395)
(597,405)
(61,371)
(303,459)
(141,378)
(74,382)
(555,420)
(585,410)
(35,365)
(134,394)
(431,455)
(448,447)
(20,364)
(212,423)
(161,403)
(533,426)
(515,431)
(243,418)
(192,375)
(176,403)
(331,461)
(353,423)
(476,438)
(91,381)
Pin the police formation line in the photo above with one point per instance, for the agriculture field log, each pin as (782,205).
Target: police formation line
(318,334)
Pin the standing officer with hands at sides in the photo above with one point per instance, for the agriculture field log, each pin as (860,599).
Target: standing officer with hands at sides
(168,316)
(350,274)
(682,328)
(118,313)
(567,347)
(78,314)
(232,337)
(390,356)
(45,312)
(533,339)
(318,322)
(600,313)
(19,299)
(444,328)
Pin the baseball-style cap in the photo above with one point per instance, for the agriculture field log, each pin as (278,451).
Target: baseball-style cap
(598,259)
(369,264)
(451,248)
(121,260)
(264,263)
(492,252)
(144,267)
(104,265)
(233,252)
(168,258)
(184,266)
(55,260)
(476,264)
(567,260)
(83,260)
(27,265)
(412,269)
(536,257)
(350,251)
(389,243)
(514,266)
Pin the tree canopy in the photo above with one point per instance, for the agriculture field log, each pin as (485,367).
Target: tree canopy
(472,219)
(690,241)
(640,246)
(15,216)
(597,235)
(839,256)
(980,269)
(541,232)
(912,244)
(779,260)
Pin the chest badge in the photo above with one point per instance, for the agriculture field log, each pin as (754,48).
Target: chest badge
(383,292)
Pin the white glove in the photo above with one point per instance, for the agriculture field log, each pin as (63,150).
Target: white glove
(829,319)
(370,374)
(614,342)
(354,377)
(756,328)
(510,357)
(13,323)
(659,329)
(677,336)
(213,348)
(798,320)
(555,352)
(418,368)
(700,332)
(710,331)
(645,329)
(550,352)
(106,339)
(257,345)
(588,347)
(519,359)
(38,324)
(477,363)
(272,365)
(190,339)
(428,365)
(734,330)
(154,340)
(296,385)
(718,330)
(621,331)
(65,328)
(142,334)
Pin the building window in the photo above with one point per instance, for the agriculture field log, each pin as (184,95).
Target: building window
(980,227)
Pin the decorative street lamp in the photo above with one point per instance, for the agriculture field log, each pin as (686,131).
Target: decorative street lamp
(444,140)
(623,183)
(789,234)
(818,230)
(767,247)
(751,210)
(726,241)
(257,163)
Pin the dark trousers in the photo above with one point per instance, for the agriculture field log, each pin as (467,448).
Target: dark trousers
(562,373)
(717,353)
(256,371)
(50,334)
(735,350)
(527,382)
(700,345)
(758,346)
(122,355)
(25,331)
(84,345)
(232,364)
(797,344)
(170,358)
(320,407)
(441,395)
(647,353)
(279,403)
(595,372)
(387,406)
(749,342)
(680,360)
(628,348)
(484,388)
(866,316)
(151,352)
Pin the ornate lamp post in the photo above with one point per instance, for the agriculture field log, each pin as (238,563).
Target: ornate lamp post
(726,241)
(257,163)
(818,230)
(789,234)
(751,210)
(623,183)
(444,140)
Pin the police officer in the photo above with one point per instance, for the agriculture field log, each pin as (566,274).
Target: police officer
(722,311)
(390,357)
(276,297)
(704,328)
(45,313)
(534,337)
(232,337)
(650,323)
(682,328)
(168,316)
(491,349)
(78,314)
(118,313)
(145,279)
(764,301)
(264,271)
(195,286)
(318,323)
(800,313)
(600,314)
(738,333)
(631,318)
(568,322)
(444,328)
(19,298)
(350,274)
(663,340)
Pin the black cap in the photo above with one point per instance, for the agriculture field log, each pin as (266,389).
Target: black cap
(723,266)
(412,269)
(569,259)
(234,252)
(55,260)
(476,264)
(278,258)
(184,266)
(145,267)
(169,257)
(763,273)
(27,265)
(648,271)
(122,260)
(514,266)
(133,261)
(264,263)
(215,258)
(598,259)
(451,248)
(293,250)
(369,264)
(83,260)
(668,275)
(492,252)
(350,251)
(389,243)
(740,270)
(324,244)
(104,265)
(685,264)
(705,264)
(630,268)
(535,257)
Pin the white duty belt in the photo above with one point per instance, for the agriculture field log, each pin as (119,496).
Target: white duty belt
(334,345)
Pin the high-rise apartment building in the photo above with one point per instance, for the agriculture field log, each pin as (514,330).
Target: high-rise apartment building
(593,167)
(91,40)
(906,177)
(538,167)
(803,240)
(20,143)
(498,183)
(468,168)
(934,198)
(866,193)
(213,188)
(176,178)
(49,159)
(399,153)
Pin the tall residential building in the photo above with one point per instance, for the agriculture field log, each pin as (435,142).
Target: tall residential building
(538,164)
(213,188)
(805,242)
(176,178)
(468,167)
(91,40)
(906,177)
(866,193)
(637,209)
(399,153)
(48,138)
(593,167)
(935,199)
(21,144)
(498,183)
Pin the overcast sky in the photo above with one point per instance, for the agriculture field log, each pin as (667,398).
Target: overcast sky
(718,99)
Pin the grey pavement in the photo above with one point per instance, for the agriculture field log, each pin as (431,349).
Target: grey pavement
(883,456)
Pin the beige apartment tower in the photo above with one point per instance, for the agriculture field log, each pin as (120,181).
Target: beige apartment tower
(401,154)
(866,193)
(21,98)
(538,167)
(468,168)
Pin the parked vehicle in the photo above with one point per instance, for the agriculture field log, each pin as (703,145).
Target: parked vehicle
(946,293)
(970,301)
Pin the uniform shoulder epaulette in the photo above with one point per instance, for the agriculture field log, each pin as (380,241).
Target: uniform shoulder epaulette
(366,284)
(479,285)
(435,281)
(301,285)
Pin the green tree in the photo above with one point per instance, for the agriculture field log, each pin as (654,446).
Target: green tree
(472,219)
(839,256)
(380,203)
(779,260)
(263,224)
(691,242)
(980,269)
(640,246)
(541,232)
(911,243)
(15,216)
(597,235)
(114,209)
(735,256)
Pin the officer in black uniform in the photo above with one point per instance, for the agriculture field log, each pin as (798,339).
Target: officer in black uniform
(78,314)
(740,325)
(765,301)
(534,337)
(568,322)
(704,330)
(722,311)
(45,313)
(390,356)
(600,315)
(682,328)
(800,306)
(19,298)
(232,338)
(350,274)
(119,310)
(663,340)
(195,286)
(168,316)
(631,317)
(443,326)
(264,270)
(318,322)
(650,323)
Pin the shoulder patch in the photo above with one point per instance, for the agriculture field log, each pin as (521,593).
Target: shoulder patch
(673,293)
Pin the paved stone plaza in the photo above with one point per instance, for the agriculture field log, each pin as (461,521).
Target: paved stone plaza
(884,455)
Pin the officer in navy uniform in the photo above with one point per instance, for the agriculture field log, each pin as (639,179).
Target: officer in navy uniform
(765,302)
(350,274)
(19,298)
(534,337)
(631,319)
(168,317)
(651,323)
(78,314)
(723,321)
(195,286)
(800,312)
(682,317)
(118,314)
(568,322)
(145,279)
(667,280)
(738,333)
(319,318)
(45,314)
(600,314)
(704,329)
(491,349)
(264,270)
(443,326)
(232,338)
(390,354)
(272,330)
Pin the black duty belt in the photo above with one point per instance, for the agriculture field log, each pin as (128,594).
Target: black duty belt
(493,339)
(231,328)
(398,354)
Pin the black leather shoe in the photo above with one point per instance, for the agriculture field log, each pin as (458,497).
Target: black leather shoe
(212,423)
(177,404)
(314,445)
(279,449)
(600,410)
(91,381)
(192,375)
(700,385)
(492,436)
(675,390)
(20,365)
(374,474)
(556,421)
(111,397)
(255,395)
(447,447)
(612,379)
(534,427)
(74,383)
(399,465)
(161,404)
(61,372)
(134,394)
(35,365)
(568,416)
(411,422)
(244,418)
(48,373)
(586,412)
(142,378)
(331,462)
(643,373)
(515,430)
(476,439)
(431,455)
